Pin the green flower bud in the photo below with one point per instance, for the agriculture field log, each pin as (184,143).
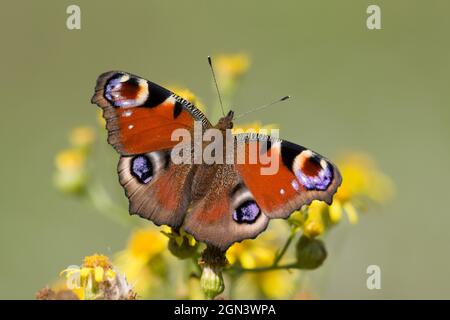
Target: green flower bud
(71,182)
(182,250)
(310,253)
(71,176)
(211,282)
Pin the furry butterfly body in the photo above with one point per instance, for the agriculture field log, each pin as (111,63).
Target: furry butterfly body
(218,203)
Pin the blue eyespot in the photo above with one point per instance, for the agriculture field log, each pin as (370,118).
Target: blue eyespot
(247,212)
(321,181)
(142,169)
(123,90)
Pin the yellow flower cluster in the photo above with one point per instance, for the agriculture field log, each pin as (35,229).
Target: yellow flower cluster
(96,279)
(96,268)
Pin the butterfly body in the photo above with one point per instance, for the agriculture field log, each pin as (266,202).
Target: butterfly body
(219,202)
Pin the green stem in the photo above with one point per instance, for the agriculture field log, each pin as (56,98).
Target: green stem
(101,200)
(288,242)
(196,265)
(235,270)
(264,269)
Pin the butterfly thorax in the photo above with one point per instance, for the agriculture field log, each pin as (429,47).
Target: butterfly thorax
(225,122)
(208,172)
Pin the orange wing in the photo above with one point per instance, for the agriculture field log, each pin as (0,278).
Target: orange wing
(141,115)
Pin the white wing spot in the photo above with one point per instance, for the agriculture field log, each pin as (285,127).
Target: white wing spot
(308,153)
(125,78)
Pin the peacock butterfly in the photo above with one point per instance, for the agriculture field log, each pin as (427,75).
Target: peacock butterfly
(219,203)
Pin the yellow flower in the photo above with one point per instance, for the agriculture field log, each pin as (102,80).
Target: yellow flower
(146,243)
(252,253)
(97,260)
(70,159)
(96,278)
(361,176)
(96,267)
(232,65)
(143,261)
(314,226)
(187,95)
(310,219)
(274,284)
(82,137)
(361,179)
(277,284)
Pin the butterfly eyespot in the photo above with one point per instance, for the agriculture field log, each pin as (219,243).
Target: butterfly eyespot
(247,212)
(142,168)
(312,172)
(123,90)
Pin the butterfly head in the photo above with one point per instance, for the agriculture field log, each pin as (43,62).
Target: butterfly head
(226,122)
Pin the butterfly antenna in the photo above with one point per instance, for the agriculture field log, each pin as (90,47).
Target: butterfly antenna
(215,82)
(262,107)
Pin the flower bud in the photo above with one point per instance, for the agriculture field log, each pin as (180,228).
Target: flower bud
(181,244)
(71,176)
(184,250)
(211,282)
(82,137)
(71,182)
(310,253)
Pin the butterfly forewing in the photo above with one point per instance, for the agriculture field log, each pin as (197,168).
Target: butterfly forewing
(141,115)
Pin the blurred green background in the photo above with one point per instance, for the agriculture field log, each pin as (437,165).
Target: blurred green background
(384,92)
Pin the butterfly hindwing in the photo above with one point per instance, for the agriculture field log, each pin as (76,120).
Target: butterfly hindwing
(141,115)
(157,189)
(227,213)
